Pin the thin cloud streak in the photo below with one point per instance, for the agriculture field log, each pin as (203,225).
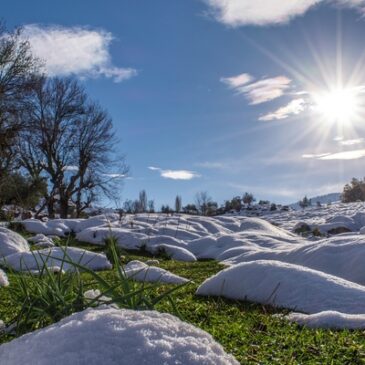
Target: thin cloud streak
(351,142)
(344,155)
(295,107)
(260,91)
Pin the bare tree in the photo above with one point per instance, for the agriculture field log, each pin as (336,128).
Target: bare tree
(128,206)
(69,140)
(202,200)
(17,73)
(94,146)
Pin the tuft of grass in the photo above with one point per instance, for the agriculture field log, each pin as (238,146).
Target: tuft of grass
(40,299)
(43,298)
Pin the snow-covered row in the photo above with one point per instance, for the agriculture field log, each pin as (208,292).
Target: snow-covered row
(286,286)
(342,255)
(56,257)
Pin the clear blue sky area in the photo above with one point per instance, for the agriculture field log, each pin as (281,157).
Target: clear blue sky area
(215,98)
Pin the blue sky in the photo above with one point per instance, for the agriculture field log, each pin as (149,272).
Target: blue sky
(216,95)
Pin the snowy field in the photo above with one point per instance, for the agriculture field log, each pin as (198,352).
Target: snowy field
(320,280)
(266,261)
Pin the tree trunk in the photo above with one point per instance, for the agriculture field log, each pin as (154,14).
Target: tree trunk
(50,208)
(63,207)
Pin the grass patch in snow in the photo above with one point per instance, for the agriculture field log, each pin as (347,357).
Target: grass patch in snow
(249,331)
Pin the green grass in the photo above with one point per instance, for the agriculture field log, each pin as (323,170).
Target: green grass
(247,330)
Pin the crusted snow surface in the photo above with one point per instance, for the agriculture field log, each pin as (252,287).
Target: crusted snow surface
(140,271)
(11,242)
(286,285)
(53,257)
(328,319)
(111,336)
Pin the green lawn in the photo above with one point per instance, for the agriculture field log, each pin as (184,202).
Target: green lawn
(248,331)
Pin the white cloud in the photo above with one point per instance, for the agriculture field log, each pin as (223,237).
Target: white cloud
(75,51)
(319,155)
(295,107)
(236,81)
(351,142)
(175,174)
(346,155)
(260,91)
(263,12)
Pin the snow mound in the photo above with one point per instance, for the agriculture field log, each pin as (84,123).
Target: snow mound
(329,319)
(52,227)
(174,252)
(3,279)
(110,336)
(42,241)
(342,256)
(11,242)
(62,227)
(34,261)
(287,286)
(139,271)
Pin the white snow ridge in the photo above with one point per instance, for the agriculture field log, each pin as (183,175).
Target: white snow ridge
(286,285)
(111,336)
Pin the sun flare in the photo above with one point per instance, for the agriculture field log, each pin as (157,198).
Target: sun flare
(339,105)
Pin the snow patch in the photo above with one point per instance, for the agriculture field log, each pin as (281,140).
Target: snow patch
(329,319)
(287,286)
(35,260)
(139,271)
(110,336)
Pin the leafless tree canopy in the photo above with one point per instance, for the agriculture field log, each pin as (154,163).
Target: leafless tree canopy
(202,200)
(17,73)
(69,140)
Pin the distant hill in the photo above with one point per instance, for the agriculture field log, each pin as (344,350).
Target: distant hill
(323,199)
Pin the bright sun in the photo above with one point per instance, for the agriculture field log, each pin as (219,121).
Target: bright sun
(339,105)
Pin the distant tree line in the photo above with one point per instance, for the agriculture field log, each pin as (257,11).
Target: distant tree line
(203,205)
(57,145)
